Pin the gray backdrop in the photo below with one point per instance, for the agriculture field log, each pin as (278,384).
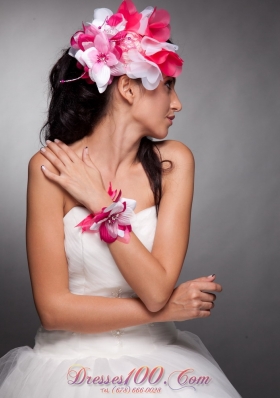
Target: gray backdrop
(230,120)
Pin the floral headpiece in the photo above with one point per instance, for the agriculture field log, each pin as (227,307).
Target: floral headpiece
(128,43)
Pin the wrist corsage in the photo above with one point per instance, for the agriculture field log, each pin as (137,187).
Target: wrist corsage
(112,222)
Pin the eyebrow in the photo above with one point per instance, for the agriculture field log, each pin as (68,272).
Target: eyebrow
(171,78)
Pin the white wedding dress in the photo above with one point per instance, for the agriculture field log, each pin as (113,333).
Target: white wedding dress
(150,360)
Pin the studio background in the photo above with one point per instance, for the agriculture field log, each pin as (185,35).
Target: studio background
(230,120)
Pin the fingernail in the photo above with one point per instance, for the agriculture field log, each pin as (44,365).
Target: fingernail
(48,141)
(43,167)
(56,140)
(210,276)
(42,149)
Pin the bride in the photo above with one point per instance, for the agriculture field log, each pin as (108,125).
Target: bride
(108,224)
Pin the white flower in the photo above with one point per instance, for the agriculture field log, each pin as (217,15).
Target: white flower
(142,68)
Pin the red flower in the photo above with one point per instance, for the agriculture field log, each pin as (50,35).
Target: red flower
(130,13)
(84,39)
(159,25)
(169,62)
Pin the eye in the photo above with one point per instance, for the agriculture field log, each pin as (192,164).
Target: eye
(169,84)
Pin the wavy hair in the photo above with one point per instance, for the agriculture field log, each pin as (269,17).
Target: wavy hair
(76,108)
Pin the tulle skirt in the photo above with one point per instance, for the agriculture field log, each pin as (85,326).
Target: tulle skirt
(153,360)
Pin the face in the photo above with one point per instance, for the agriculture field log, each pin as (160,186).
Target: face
(155,109)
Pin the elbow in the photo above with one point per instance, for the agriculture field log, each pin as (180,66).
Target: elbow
(48,322)
(157,303)
(155,307)
(51,312)
(50,317)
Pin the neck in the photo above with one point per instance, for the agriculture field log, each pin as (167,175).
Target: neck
(114,144)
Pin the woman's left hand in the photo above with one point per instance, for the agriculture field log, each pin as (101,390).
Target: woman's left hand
(79,177)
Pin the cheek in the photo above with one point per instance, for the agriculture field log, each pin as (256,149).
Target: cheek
(145,109)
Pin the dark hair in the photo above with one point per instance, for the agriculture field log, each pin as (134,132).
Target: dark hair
(77,107)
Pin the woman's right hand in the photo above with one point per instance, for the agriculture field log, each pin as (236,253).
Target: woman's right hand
(190,300)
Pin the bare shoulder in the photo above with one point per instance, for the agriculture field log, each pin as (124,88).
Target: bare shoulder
(40,188)
(36,161)
(178,153)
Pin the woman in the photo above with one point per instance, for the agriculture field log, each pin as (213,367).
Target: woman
(103,276)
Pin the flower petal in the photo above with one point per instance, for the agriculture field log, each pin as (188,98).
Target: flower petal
(127,8)
(102,77)
(103,88)
(105,235)
(151,86)
(101,43)
(131,203)
(89,56)
(159,18)
(125,238)
(111,59)
(112,229)
(152,46)
(102,13)
(115,20)
(160,34)
(118,70)
(114,208)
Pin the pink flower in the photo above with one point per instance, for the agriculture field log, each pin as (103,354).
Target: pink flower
(168,61)
(107,47)
(84,39)
(159,25)
(100,58)
(105,20)
(132,16)
(112,222)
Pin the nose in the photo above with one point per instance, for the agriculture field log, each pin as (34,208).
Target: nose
(175,102)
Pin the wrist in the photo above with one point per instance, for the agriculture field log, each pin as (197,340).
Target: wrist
(102,200)
(110,216)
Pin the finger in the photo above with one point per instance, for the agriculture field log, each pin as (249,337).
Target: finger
(60,153)
(48,153)
(204,314)
(49,174)
(86,157)
(72,155)
(204,285)
(208,296)
(210,286)
(207,306)
(205,278)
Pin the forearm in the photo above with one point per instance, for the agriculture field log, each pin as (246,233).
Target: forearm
(142,271)
(96,314)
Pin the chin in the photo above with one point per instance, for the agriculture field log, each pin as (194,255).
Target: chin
(158,135)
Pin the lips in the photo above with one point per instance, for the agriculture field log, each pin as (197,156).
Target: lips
(171,117)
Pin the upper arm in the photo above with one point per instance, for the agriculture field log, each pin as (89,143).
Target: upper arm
(174,217)
(45,238)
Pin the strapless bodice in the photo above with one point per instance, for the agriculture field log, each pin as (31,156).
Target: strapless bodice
(92,269)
